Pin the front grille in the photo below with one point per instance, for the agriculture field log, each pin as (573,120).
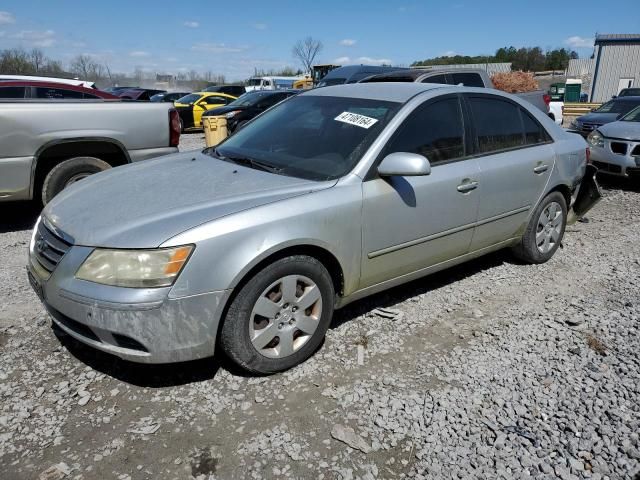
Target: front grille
(588,127)
(48,248)
(619,148)
(607,167)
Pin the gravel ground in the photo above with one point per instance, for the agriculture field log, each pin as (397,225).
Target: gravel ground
(489,370)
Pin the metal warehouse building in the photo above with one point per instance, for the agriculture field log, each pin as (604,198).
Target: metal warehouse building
(616,65)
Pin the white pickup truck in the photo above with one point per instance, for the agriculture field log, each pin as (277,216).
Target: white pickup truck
(47,145)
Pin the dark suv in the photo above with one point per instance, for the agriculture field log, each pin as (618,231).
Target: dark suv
(235,90)
(250,105)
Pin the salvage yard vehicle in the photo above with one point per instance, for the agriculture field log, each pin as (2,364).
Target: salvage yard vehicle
(139,94)
(468,77)
(168,96)
(50,91)
(233,90)
(34,78)
(47,145)
(251,245)
(271,83)
(629,92)
(250,105)
(607,112)
(353,74)
(615,147)
(192,106)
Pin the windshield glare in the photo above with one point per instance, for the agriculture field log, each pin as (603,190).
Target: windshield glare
(632,116)
(332,81)
(613,106)
(249,99)
(191,98)
(315,144)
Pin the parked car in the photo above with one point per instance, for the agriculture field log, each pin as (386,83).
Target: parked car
(50,90)
(468,77)
(34,78)
(139,94)
(332,195)
(192,106)
(118,89)
(48,145)
(629,92)
(233,90)
(607,112)
(168,96)
(353,74)
(250,105)
(615,147)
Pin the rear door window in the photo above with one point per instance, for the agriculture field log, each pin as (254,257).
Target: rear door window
(57,93)
(435,131)
(11,92)
(497,124)
(435,79)
(534,133)
(467,79)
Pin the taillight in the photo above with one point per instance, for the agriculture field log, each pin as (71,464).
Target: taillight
(547,99)
(588,156)
(174,128)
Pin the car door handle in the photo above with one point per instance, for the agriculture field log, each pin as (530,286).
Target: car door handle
(541,168)
(467,186)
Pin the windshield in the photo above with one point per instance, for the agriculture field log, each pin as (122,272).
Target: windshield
(249,99)
(613,106)
(191,98)
(254,82)
(332,81)
(313,137)
(632,116)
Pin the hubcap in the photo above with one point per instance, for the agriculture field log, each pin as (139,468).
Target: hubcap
(549,227)
(76,178)
(285,316)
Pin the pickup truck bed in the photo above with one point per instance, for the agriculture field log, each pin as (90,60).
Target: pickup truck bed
(37,136)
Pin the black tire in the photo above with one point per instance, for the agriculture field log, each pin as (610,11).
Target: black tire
(527,250)
(62,174)
(235,338)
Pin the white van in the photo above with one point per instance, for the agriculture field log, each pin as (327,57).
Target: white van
(271,83)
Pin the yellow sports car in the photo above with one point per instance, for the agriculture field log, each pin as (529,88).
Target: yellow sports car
(192,106)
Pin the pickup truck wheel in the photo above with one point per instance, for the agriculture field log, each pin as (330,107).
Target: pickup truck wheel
(280,316)
(69,172)
(545,230)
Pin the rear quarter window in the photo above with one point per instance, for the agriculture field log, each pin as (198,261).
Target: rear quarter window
(467,79)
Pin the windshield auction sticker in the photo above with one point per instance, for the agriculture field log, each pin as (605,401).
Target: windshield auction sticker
(356,119)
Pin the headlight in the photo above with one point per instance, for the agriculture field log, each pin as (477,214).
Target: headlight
(135,268)
(232,114)
(595,139)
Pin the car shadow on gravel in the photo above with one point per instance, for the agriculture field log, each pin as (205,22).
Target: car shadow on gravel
(16,216)
(610,182)
(399,294)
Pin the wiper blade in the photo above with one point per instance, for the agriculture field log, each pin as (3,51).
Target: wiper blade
(251,162)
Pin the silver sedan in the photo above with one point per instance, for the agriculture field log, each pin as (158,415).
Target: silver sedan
(333,195)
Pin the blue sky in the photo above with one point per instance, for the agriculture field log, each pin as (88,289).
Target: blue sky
(232,41)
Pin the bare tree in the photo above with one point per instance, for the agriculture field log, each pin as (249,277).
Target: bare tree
(306,51)
(86,68)
(37,59)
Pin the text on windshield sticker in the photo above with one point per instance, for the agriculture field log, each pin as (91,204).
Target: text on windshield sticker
(356,119)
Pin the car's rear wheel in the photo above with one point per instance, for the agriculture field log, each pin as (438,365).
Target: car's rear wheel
(280,316)
(545,230)
(69,172)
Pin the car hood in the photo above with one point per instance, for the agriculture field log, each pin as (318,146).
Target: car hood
(599,118)
(223,110)
(623,130)
(144,204)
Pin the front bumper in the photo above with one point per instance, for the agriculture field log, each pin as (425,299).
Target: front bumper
(140,325)
(621,164)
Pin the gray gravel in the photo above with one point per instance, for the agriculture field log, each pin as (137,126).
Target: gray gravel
(489,370)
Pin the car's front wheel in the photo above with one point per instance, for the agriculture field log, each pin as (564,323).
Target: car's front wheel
(545,230)
(69,172)
(280,316)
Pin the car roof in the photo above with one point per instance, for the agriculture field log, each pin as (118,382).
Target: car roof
(65,86)
(217,94)
(385,91)
(628,98)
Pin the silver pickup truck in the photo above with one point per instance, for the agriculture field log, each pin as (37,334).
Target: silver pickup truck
(48,145)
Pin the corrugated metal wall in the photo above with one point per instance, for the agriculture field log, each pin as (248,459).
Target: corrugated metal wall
(617,61)
(580,67)
(491,68)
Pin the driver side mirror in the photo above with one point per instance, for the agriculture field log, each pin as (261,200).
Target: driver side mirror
(404,164)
